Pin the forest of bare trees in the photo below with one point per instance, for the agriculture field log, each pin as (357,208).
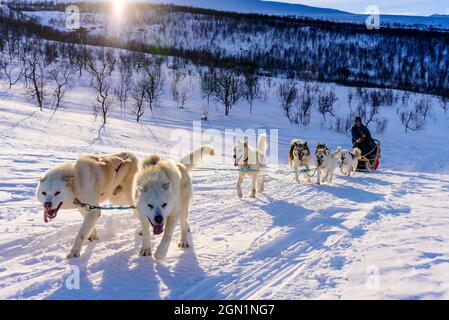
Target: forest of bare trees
(348,54)
(134,82)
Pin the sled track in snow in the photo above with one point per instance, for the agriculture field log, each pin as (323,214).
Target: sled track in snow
(289,242)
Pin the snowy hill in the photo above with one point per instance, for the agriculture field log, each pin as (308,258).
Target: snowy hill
(279,8)
(380,235)
(434,22)
(256,6)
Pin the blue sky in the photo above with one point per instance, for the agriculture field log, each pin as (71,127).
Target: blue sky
(408,7)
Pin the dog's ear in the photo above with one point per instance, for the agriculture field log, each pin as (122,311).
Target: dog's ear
(67,179)
(166,185)
(42,178)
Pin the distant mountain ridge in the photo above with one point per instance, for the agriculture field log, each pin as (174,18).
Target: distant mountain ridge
(265,7)
(440,16)
(437,21)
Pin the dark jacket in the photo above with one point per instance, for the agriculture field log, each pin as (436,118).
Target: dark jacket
(358,132)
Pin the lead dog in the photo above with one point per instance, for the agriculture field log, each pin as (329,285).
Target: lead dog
(251,163)
(299,156)
(163,193)
(325,161)
(91,180)
(349,161)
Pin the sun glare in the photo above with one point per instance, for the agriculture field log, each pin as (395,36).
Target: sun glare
(118,8)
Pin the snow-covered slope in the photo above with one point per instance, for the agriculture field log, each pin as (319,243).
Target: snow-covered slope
(440,22)
(379,235)
(265,7)
(279,8)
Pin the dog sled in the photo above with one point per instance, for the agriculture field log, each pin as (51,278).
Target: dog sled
(370,157)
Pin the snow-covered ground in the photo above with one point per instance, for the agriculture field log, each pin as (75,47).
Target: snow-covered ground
(434,22)
(299,10)
(379,235)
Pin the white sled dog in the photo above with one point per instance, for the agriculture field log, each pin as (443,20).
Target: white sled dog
(349,161)
(299,156)
(326,161)
(163,192)
(251,163)
(91,180)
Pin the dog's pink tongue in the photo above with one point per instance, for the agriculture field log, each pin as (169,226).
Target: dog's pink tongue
(158,229)
(49,214)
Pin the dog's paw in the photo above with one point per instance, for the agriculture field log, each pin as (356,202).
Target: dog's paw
(73,254)
(183,244)
(145,252)
(93,237)
(160,255)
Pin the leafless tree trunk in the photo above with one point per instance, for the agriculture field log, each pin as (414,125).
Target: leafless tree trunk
(375,103)
(227,89)
(178,74)
(444,102)
(288,93)
(252,88)
(124,85)
(36,75)
(61,76)
(208,83)
(154,80)
(12,71)
(100,66)
(138,95)
(305,105)
(415,119)
(326,101)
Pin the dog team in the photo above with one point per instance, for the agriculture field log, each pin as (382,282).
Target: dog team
(160,191)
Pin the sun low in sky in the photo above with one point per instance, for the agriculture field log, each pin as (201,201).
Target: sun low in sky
(118,9)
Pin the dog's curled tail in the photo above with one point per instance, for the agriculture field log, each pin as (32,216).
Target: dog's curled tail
(194,159)
(357,153)
(337,152)
(262,143)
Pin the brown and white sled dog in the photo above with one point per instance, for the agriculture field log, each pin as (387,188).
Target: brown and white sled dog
(349,161)
(299,156)
(92,180)
(251,163)
(326,161)
(163,193)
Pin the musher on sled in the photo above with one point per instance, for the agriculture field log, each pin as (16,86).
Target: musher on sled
(361,138)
